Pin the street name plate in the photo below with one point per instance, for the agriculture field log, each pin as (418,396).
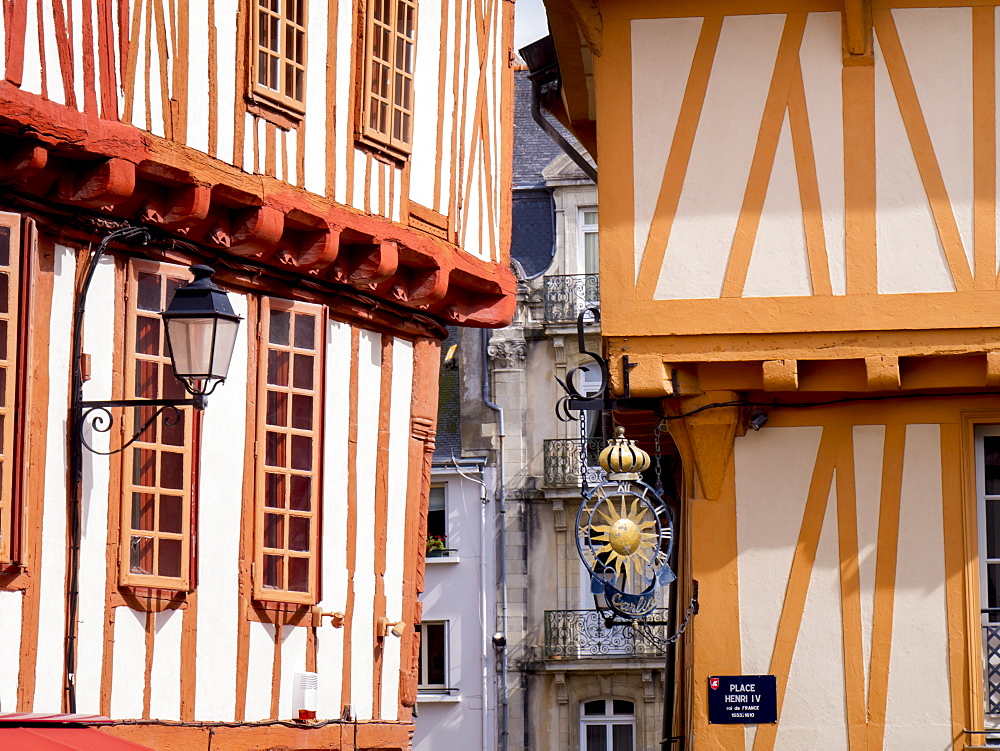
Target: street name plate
(742,699)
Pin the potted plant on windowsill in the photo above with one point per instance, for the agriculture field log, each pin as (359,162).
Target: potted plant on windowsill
(437,547)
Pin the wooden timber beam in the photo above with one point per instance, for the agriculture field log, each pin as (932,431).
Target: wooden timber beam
(858,47)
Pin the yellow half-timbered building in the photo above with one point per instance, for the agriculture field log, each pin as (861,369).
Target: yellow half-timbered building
(799,223)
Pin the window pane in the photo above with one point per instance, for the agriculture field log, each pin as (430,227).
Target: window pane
(301,452)
(597,738)
(144,467)
(277,368)
(298,533)
(273,571)
(620,706)
(280,320)
(301,498)
(434,638)
(298,574)
(274,531)
(594,707)
(171,470)
(302,412)
(150,287)
(274,490)
(304,372)
(277,408)
(274,452)
(991,453)
(170,558)
(992,528)
(621,738)
(171,514)
(147,335)
(143,511)
(141,555)
(305,327)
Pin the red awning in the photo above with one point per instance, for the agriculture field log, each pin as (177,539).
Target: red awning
(62,739)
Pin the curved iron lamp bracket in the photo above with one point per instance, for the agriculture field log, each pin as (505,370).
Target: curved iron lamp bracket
(100,418)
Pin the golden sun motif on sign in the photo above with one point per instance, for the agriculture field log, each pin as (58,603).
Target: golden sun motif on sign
(628,544)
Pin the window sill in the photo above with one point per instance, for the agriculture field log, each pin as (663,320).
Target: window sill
(276,113)
(442,559)
(432,698)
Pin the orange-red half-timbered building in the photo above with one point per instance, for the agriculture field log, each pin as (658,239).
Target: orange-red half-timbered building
(342,165)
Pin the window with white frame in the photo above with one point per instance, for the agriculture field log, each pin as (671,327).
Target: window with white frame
(607,725)
(588,240)
(433,671)
(988,503)
(437,522)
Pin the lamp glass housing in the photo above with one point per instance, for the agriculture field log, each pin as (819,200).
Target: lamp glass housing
(201,331)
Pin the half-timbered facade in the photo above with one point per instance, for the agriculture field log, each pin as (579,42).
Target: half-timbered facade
(802,229)
(342,166)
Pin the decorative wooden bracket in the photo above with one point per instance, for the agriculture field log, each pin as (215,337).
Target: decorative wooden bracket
(368,265)
(102,186)
(256,232)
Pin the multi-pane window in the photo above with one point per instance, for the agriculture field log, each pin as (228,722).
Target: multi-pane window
(390,39)
(433,670)
(280,50)
(437,523)
(288,436)
(9,284)
(607,725)
(157,467)
(588,240)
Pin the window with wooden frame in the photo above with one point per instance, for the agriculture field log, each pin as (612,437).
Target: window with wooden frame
(10,323)
(157,469)
(278,51)
(289,401)
(387,100)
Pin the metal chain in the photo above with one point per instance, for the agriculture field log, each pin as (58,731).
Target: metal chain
(583,451)
(645,632)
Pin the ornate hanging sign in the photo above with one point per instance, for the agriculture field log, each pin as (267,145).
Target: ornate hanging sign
(625,533)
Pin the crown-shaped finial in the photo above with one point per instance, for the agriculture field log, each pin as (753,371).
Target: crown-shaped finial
(622,459)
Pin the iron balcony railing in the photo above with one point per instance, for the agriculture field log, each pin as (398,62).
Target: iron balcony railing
(567,294)
(563,461)
(573,634)
(991,660)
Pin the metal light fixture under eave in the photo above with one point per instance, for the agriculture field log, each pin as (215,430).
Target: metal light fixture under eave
(201,333)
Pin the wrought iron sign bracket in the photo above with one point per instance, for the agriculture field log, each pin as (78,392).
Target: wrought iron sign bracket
(98,414)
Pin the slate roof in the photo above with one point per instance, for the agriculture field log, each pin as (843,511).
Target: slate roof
(533,149)
(448,441)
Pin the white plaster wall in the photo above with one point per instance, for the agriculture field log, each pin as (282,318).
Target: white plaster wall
(425,111)
(10,648)
(249,129)
(779,265)
(128,675)
(260,670)
(457,593)
(225,24)
(910,255)
(344,29)
(766,541)
(937,43)
(75,10)
(98,342)
(293,660)
(54,81)
(140,85)
(399,449)
(290,138)
(362,624)
(52,617)
(165,676)
(360,169)
(662,51)
(220,494)
(31,80)
(198,111)
(814,711)
(918,710)
(316,97)
(330,640)
(705,223)
(821,59)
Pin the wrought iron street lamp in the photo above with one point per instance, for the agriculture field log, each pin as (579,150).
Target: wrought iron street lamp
(201,333)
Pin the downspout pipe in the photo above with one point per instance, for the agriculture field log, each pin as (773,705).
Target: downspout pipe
(501,496)
(550,130)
